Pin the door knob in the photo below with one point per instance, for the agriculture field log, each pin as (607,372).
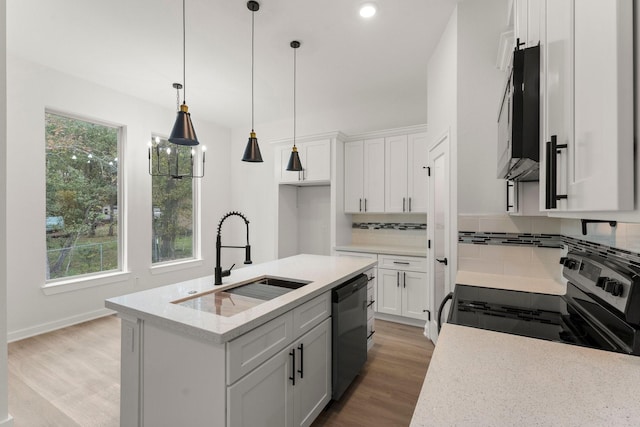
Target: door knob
(443,261)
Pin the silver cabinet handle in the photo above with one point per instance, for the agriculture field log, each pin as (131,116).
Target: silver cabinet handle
(409,204)
(360,205)
(401,263)
(365,204)
(404,279)
(403,204)
(398,280)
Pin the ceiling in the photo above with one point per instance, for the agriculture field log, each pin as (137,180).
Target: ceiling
(135,46)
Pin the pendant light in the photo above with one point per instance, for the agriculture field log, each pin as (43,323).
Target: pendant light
(252,151)
(294,160)
(183,132)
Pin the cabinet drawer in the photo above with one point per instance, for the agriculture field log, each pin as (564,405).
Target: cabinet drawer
(408,263)
(370,333)
(251,349)
(311,313)
(371,300)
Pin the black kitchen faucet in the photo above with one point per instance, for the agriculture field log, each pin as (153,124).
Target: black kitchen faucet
(218,272)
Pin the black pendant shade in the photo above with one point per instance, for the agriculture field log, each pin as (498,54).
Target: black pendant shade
(183,132)
(294,161)
(252,151)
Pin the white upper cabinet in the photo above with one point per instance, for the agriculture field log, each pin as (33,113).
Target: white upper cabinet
(364,176)
(587,152)
(417,179)
(315,157)
(528,23)
(406,173)
(395,180)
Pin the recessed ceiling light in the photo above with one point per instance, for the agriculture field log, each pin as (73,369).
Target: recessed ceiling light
(367,10)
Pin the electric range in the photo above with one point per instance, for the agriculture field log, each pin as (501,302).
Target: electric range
(601,308)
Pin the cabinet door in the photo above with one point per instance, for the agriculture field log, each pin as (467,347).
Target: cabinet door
(313,371)
(601,158)
(395,174)
(417,178)
(264,397)
(415,298)
(316,161)
(557,65)
(285,175)
(353,176)
(374,176)
(389,292)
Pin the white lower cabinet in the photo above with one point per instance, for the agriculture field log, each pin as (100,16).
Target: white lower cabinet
(402,290)
(289,389)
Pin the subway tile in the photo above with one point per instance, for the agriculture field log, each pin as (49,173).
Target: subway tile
(545,225)
(468,251)
(468,223)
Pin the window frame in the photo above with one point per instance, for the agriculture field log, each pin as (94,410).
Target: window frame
(121,273)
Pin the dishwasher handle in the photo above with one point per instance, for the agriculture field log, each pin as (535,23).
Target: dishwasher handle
(442,304)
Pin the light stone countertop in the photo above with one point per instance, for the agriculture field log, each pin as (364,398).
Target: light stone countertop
(155,305)
(384,249)
(479,377)
(485,378)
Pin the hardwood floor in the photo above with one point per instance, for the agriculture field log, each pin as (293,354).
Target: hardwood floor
(387,389)
(71,377)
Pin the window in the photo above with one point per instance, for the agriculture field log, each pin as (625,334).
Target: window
(172,208)
(82,232)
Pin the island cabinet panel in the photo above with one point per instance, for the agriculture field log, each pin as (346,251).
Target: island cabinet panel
(264,397)
(180,374)
(289,389)
(311,313)
(253,348)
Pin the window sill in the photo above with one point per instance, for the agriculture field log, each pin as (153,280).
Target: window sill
(75,284)
(167,267)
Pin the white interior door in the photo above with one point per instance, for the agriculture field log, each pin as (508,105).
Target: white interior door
(438,229)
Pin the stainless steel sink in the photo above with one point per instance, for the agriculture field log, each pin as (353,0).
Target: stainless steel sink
(229,302)
(267,288)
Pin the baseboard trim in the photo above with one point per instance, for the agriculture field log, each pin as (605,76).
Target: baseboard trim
(57,324)
(8,422)
(400,319)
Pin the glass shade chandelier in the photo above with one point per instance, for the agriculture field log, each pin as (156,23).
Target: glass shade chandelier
(252,150)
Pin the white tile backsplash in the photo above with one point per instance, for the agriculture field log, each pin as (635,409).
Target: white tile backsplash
(410,238)
(510,260)
(623,236)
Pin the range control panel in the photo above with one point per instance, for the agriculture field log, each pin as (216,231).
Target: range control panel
(616,284)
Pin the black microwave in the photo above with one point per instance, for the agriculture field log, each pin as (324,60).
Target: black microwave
(519,118)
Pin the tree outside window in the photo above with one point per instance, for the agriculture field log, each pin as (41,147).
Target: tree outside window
(81,225)
(172,205)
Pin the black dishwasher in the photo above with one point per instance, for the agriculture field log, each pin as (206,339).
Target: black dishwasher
(349,311)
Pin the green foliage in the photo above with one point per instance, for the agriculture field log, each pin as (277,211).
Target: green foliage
(82,180)
(172,204)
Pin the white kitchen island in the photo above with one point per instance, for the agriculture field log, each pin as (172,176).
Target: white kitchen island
(196,366)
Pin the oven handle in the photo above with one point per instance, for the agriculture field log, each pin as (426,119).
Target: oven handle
(444,301)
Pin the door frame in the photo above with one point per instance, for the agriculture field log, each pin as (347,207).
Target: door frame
(440,147)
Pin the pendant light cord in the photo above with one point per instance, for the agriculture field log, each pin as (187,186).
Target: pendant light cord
(252,42)
(184,55)
(294,97)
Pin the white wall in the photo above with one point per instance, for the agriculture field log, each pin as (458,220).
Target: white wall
(442,104)
(5,419)
(262,205)
(31,89)
(479,84)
